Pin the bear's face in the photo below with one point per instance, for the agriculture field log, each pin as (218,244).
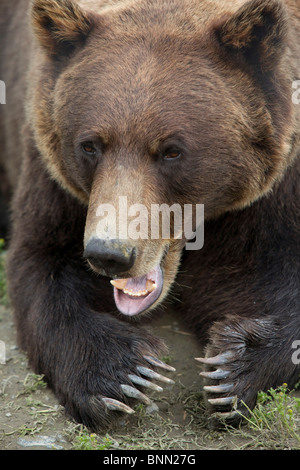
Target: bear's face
(136,119)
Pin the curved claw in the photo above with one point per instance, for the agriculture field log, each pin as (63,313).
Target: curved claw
(227,416)
(115,405)
(144,383)
(222,401)
(132,392)
(154,375)
(222,388)
(218,360)
(218,374)
(156,362)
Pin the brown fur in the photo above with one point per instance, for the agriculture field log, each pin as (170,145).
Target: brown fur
(60,23)
(137,77)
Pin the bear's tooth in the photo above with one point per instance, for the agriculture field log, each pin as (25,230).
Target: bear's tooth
(141,293)
(119,283)
(150,286)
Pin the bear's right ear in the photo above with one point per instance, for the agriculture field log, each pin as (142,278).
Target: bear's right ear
(60,25)
(256,34)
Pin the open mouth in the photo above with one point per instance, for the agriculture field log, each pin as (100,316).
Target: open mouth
(135,295)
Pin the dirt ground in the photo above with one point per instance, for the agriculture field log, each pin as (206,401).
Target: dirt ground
(30,417)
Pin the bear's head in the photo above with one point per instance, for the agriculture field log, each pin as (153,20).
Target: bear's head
(142,109)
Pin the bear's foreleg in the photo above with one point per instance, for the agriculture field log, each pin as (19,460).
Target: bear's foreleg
(96,364)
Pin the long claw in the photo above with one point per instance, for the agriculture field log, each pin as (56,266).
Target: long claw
(223,388)
(156,362)
(116,405)
(144,383)
(218,360)
(229,415)
(218,374)
(222,401)
(154,375)
(132,392)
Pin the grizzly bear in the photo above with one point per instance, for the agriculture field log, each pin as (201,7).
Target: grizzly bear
(152,102)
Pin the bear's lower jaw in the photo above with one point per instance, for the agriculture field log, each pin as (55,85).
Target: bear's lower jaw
(136,295)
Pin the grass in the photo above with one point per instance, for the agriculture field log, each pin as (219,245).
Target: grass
(275,421)
(151,433)
(86,441)
(33,382)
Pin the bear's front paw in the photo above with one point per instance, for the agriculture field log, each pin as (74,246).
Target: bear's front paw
(239,362)
(105,375)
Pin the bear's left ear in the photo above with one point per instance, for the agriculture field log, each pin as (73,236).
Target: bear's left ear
(257,33)
(60,25)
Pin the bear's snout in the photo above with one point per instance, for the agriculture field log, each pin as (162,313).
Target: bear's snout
(111,257)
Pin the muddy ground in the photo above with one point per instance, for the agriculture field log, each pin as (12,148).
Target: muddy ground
(30,417)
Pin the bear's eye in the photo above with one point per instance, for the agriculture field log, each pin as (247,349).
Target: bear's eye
(89,148)
(172,154)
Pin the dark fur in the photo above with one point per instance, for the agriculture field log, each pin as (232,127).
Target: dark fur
(241,142)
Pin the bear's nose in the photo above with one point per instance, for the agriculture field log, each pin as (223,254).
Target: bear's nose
(111,256)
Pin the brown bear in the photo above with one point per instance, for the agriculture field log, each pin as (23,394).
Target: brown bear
(152,102)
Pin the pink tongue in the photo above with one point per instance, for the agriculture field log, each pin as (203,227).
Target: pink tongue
(132,306)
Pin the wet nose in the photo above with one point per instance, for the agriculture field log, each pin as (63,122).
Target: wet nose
(111,256)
